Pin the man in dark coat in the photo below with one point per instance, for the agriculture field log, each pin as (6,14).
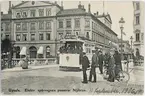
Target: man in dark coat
(101,62)
(111,65)
(85,64)
(118,64)
(93,66)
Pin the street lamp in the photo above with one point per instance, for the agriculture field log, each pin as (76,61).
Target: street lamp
(131,38)
(121,22)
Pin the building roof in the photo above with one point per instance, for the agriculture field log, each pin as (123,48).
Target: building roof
(75,11)
(6,16)
(94,17)
(47,2)
(107,16)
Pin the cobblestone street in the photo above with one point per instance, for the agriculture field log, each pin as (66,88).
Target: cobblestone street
(51,80)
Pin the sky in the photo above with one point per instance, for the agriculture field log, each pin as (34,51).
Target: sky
(116,9)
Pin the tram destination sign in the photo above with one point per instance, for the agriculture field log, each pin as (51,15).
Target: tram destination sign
(70,37)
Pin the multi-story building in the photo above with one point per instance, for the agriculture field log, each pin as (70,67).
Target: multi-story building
(138,26)
(126,48)
(39,26)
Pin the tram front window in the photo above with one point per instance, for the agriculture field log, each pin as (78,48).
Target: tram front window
(71,47)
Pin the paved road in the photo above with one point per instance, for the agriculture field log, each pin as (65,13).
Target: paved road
(51,80)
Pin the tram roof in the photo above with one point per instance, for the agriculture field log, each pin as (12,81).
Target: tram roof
(72,40)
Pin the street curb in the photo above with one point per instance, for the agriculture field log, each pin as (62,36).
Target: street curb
(29,69)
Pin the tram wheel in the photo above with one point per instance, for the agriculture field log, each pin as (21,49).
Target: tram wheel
(105,74)
(123,76)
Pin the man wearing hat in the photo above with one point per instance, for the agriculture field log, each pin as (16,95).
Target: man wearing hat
(94,64)
(101,59)
(111,65)
(85,64)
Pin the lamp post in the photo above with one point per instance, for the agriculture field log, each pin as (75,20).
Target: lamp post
(121,22)
(131,38)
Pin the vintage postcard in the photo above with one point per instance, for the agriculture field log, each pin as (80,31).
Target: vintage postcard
(72,47)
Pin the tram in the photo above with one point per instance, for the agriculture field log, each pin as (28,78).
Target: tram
(71,53)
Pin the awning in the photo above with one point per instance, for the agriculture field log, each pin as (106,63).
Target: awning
(23,51)
(40,50)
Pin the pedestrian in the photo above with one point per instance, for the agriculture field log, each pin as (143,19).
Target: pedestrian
(25,63)
(101,58)
(118,64)
(94,64)
(106,60)
(111,65)
(85,64)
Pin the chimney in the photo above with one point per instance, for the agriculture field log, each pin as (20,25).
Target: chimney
(9,11)
(55,2)
(89,8)
(79,6)
(97,13)
(9,5)
(1,13)
(62,5)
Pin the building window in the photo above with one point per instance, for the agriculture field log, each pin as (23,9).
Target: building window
(60,35)
(48,12)
(7,27)
(41,36)
(24,26)
(2,26)
(47,51)
(18,37)
(77,23)
(60,24)
(68,24)
(77,33)
(33,13)
(137,37)
(48,25)
(32,37)
(18,15)
(24,14)
(32,26)
(41,12)
(18,26)
(41,25)
(24,38)
(87,35)
(47,36)
(33,52)
(137,6)
(87,23)
(142,36)
(137,19)
(8,36)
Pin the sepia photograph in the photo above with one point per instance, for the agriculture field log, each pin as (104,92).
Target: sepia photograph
(88,47)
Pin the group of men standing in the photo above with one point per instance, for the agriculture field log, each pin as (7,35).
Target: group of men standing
(111,59)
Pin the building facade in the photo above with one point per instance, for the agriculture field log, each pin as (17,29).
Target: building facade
(126,48)
(41,24)
(138,26)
